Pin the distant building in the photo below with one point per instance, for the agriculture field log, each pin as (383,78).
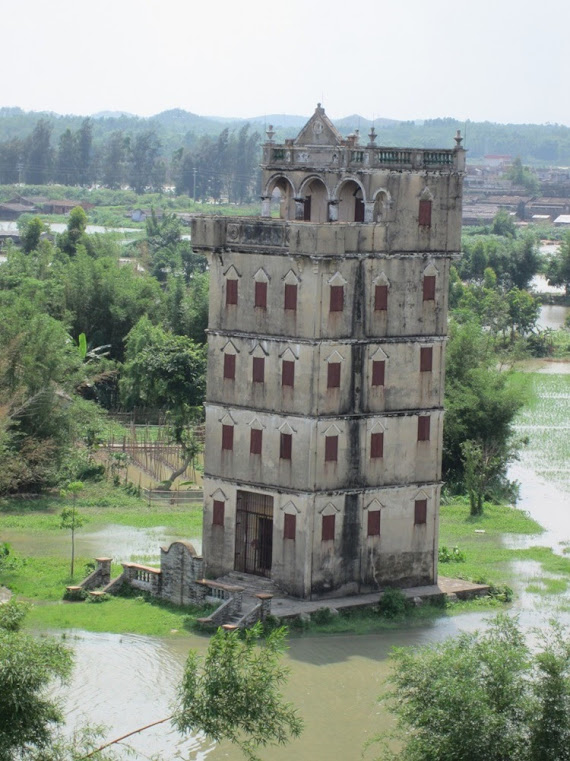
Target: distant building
(326,342)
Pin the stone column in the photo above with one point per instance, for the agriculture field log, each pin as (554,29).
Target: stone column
(265,206)
(333,211)
(299,208)
(265,600)
(369,211)
(104,568)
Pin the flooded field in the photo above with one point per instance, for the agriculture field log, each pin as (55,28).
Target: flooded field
(125,681)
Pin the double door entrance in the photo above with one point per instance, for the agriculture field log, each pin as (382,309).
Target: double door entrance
(254,533)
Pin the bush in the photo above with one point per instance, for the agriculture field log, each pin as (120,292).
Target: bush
(12,614)
(501,592)
(322,616)
(454,555)
(394,603)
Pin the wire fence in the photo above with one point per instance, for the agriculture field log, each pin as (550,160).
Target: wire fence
(150,451)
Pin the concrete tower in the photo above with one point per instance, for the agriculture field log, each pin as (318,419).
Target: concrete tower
(326,344)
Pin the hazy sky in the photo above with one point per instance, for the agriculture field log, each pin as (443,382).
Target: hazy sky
(498,60)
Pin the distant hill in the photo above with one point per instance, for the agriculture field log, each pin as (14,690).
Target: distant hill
(176,128)
(111,114)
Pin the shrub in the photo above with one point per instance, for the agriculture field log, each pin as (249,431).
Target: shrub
(322,616)
(393,603)
(454,555)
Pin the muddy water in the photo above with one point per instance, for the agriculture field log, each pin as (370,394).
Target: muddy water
(122,543)
(552,316)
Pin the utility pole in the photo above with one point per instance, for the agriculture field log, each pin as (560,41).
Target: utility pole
(194,193)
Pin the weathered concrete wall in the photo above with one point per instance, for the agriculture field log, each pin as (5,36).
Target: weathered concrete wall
(407,314)
(403,554)
(404,460)
(291,558)
(405,385)
(180,568)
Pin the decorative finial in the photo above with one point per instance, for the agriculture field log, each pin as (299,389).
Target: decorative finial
(270,132)
(372,135)
(458,139)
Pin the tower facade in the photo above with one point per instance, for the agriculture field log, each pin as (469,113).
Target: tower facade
(326,345)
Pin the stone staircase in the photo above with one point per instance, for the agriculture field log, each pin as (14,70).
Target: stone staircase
(255,594)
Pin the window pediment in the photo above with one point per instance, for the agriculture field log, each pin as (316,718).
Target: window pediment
(337,279)
(231,273)
(329,509)
(291,508)
(261,276)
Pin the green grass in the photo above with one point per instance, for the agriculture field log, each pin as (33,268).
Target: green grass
(487,559)
(117,615)
(100,503)
(545,422)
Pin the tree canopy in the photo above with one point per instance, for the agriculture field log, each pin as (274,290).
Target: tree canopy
(483,696)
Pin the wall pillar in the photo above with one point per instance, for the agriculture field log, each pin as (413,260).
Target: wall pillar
(265,206)
(104,569)
(333,211)
(369,212)
(300,208)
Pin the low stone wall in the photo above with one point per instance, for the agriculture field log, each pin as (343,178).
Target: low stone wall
(181,567)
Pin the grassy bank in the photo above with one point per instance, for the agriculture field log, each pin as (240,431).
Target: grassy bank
(488,557)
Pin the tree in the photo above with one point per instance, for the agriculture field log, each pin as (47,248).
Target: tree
(75,233)
(480,402)
(66,159)
(522,175)
(234,695)
(39,154)
(84,141)
(484,463)
(144,153)
(504,224)
(70,518)
(28,665)
(483,696)
(558,268)
(31,233)
(169,372)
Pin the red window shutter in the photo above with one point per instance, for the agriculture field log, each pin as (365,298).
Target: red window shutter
(259,369)
(423,428)
(331,448)
(328,528)
(261,295)
(429,287)
(426,359)
(218,514)
(377,445)
(333,375)
(291,297)
(378,371)
(231,292)
(425,214)
(230,366)
(255,441)
(227,437)
(289,526)
(337,298)
(420,511)
(381,298)
(374,523)
(285,446)
(288,373)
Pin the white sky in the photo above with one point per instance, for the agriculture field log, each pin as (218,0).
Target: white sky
(497,60)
